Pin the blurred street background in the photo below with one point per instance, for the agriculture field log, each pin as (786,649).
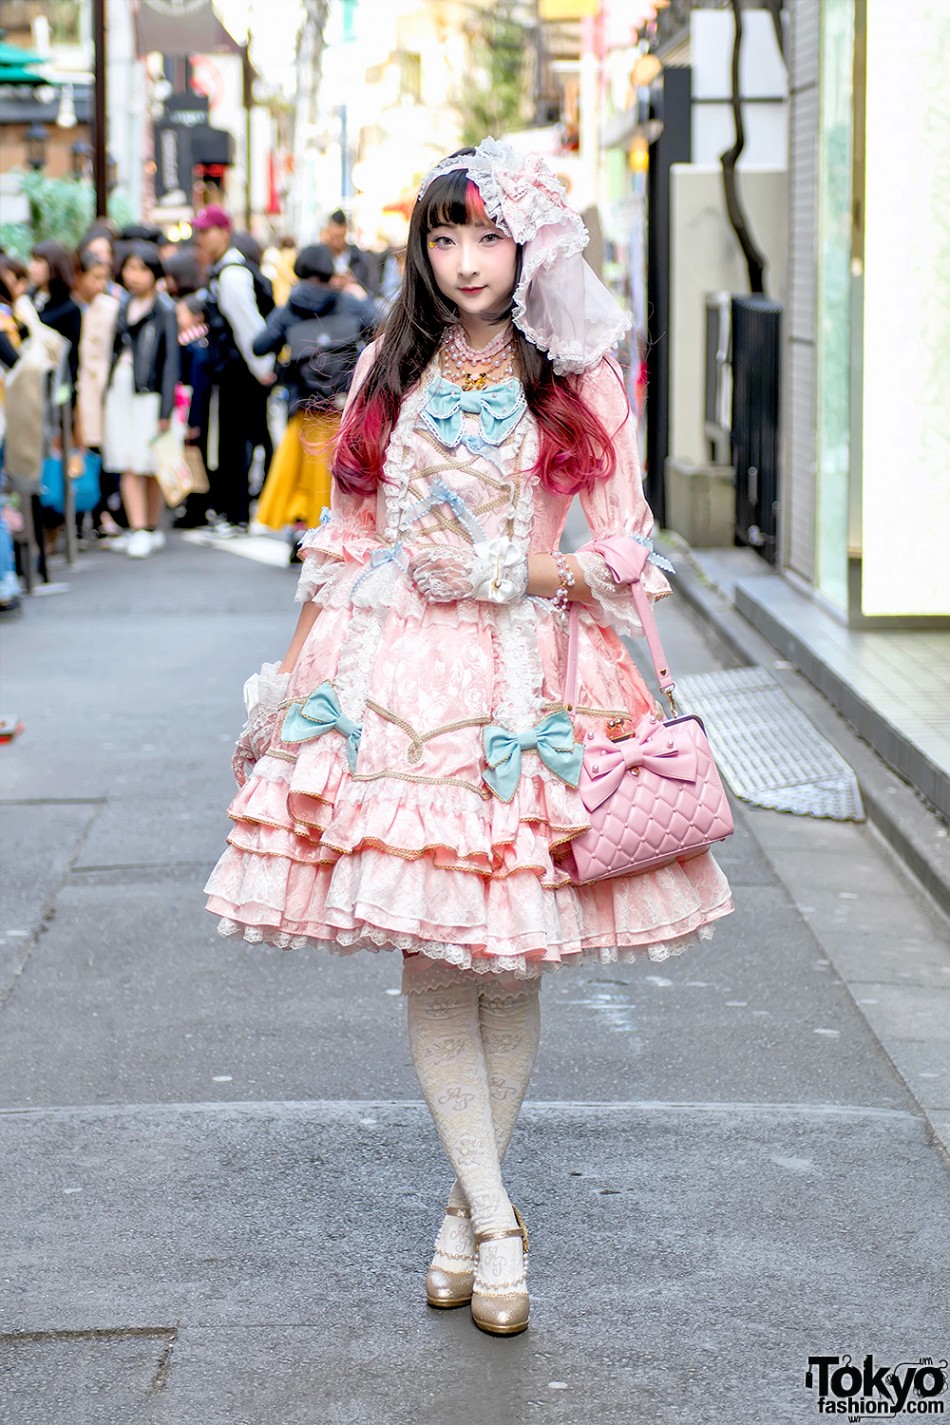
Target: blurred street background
(729,1163)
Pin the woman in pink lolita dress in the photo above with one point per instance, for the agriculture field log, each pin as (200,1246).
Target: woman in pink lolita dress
(369,814)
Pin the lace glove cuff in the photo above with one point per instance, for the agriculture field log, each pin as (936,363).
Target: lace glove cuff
(493,571)
(265,690)
(611,601)
(264,693)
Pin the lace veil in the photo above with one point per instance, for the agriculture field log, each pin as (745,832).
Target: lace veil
(560,305)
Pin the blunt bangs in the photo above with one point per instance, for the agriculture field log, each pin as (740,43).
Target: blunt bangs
(452,199)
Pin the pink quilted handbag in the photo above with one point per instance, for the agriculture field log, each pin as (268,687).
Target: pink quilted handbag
(653,797)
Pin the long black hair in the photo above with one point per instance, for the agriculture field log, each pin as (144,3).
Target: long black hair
(421,312)
(575,448)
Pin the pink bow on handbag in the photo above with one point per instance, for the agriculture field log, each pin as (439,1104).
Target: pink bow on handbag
(666,749)
(675,806)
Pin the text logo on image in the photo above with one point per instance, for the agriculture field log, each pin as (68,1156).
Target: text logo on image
(870,1391)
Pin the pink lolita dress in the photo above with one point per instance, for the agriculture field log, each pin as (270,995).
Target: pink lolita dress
(369,823)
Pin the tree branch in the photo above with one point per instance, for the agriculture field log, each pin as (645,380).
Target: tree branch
(755,261)
(775,8)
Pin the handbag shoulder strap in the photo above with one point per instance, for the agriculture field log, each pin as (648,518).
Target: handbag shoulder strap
(645,614)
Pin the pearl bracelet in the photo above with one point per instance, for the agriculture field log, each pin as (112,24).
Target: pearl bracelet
(560,598)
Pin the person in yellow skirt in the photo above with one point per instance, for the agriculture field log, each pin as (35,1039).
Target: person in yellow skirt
(321,333)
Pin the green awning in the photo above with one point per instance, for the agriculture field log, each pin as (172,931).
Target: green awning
(16,74)
(13,54)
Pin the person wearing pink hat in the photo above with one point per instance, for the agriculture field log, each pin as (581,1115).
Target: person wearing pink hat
(237,302)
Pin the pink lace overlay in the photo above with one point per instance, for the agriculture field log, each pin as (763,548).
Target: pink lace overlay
(408,849)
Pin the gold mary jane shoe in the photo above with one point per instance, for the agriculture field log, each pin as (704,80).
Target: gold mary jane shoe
(501,1308)
(447,1289)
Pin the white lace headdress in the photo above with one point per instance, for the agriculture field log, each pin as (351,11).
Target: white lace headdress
(560,305)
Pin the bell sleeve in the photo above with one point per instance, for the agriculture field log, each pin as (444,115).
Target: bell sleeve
(617,506)
(346,538)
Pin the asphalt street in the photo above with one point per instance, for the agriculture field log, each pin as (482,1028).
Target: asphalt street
(220,1186)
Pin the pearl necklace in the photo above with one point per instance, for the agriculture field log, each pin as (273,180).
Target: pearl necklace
(474,370)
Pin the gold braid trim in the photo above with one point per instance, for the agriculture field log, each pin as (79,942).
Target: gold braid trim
(405,855)
(418,739)
(281,855)
(469,465)
(427,781)
(259,821)
(589,712)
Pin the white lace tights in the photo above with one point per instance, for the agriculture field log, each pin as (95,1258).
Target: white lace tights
(473,1045)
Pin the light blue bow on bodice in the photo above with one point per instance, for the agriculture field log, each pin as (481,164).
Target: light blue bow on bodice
(553,738)
(321,713)
(441,494)
(499,409)
(391,554)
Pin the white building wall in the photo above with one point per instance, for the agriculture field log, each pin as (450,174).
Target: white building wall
(705,257)
(905,371)
(763,84)
(798,498)
(129,125)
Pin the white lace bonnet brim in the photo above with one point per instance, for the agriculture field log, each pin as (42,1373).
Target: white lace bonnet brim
(559,304)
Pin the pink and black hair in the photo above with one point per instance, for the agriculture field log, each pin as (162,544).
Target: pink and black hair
(575,450)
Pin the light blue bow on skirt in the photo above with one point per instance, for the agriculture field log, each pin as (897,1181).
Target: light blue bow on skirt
(322,713)
(552,738)
(499,409)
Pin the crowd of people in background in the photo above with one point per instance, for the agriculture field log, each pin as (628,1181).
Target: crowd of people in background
(244,355)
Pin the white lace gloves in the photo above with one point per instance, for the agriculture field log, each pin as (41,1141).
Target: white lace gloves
(264,693)
(494,570)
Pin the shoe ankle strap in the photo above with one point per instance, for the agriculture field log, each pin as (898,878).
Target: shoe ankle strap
(498,1235)
(453,1211)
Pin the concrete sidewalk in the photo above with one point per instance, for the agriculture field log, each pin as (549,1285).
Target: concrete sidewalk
(221,1188)
(891,689)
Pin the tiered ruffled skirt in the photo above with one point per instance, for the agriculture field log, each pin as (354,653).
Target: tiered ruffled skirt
(409,849)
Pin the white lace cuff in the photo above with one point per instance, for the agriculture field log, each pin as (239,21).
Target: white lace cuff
(265,691)
(264,694)
(335,545)
(315,575)
(611,603)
